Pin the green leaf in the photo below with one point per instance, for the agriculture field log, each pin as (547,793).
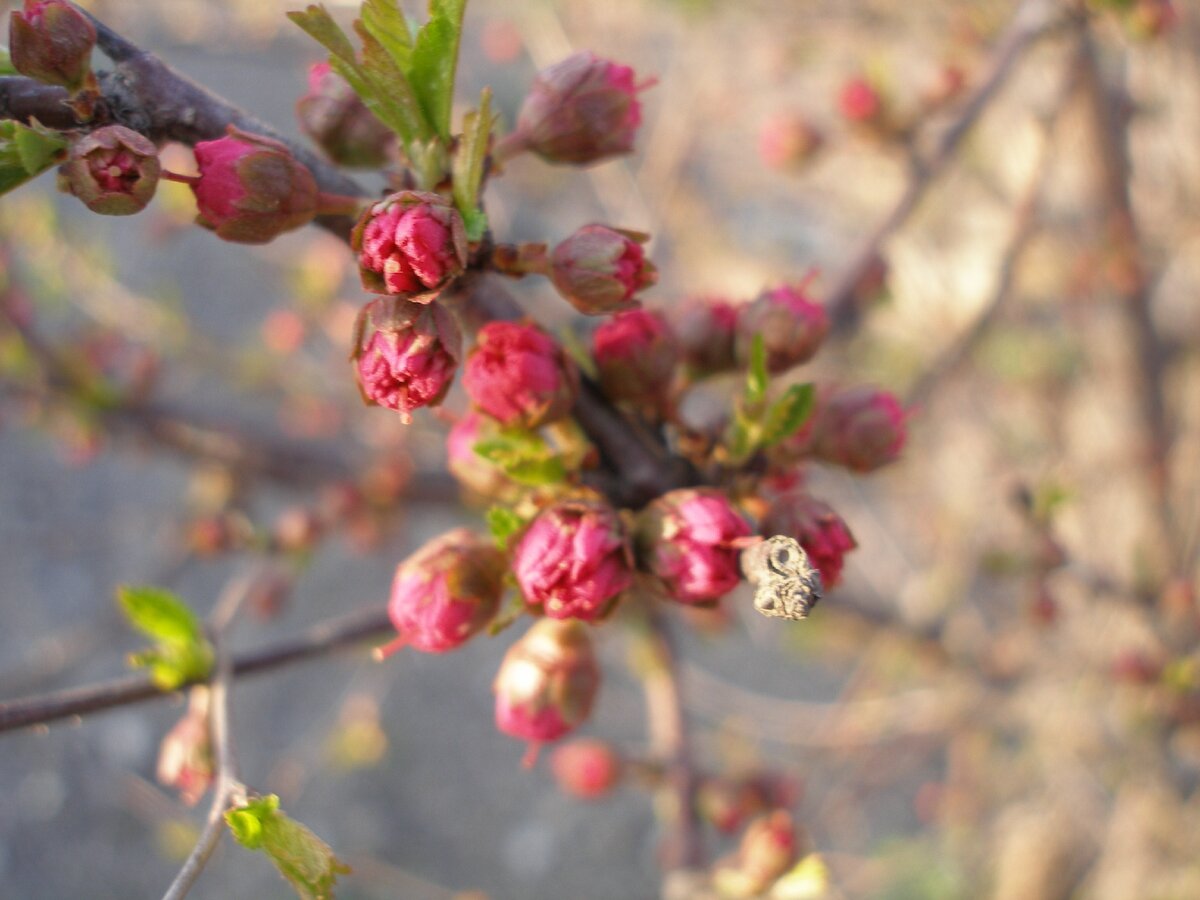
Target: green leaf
(384,20)
(435,59)
(302,858)
(392,90)
(537,472)
(756,377)
(524,457)
(469,160)
(319,25)
(476,223)
(26,152)
(788,414)
(503,523)
(174,665)
(158,613)
(742,438)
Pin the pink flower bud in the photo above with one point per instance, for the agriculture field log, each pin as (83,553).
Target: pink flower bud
(636,356)
(769,847)
(546,684)
(859,100)
(52,41)
(446,592)
(581,110)
(405,354)
(685,538)
(478,475)
(519,375)
(185,756)
(573,560)
(412,244)
(113,170)
(791,323)
(336,119)
(788,141)
(706,330)
(598,269)
(861,428)
(586,768)
(816,528)
(251,189)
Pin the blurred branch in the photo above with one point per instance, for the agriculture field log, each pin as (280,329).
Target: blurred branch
(1031,21)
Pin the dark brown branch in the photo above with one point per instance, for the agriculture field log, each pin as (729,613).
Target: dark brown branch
(24,99)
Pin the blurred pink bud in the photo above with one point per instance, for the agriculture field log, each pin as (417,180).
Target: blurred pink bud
(185,756)
(52,41)
(791,323)
(598,269)
(339,122)
(581,110)
(251,189)
(586,767)
(788,141)
(944,86)
(816,528)
(446,592)
(636,356)
(519,375)
(706,330)
(861,428)
(113,170)
(768,849)
(573,560)
(546,684)
(405,354)
(478,475)
(412,243)
(685,538)
(859,100)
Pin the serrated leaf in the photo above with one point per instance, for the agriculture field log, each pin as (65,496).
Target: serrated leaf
(503,523)
(302,858)
(319,25)
(756,376)
(788,414)
(469,158)
(435,59)
(26,152)
(385,21)
(158,613)
(392,89)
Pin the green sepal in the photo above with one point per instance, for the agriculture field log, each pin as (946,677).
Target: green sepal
(305,861)
(503,523)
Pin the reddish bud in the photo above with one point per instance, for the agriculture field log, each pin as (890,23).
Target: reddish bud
(52,41)
(791,323)
(251,189)
(519,375)
(405,354)
(336,119)
(816,528)
(581,110)
(706,330)
(185,756)
(446,592)
(297,529)
(685,538)
(113,170)
(478,475)
(586,768)
(636,356)
(573,560)
(1136,667)
(860,101)
(547,683)
(861,428)
(598,269)
(412,244)
(788,141)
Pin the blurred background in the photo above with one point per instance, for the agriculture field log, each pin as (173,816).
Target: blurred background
(1003,697)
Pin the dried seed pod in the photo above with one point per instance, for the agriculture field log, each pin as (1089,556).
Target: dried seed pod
(786,584)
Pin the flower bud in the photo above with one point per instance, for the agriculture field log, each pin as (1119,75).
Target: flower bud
(297,529)
(769,847)
(792,326)
(405,354)
(685,538)
(586,768)
(251,189)
(185,756)
(113,170)
(816,528)
(546,684)
(861,428)
(598,269)
(478,475)
(581,110)
(636,356)
(788,141)
(446,592)
(859,100)
(52,41)
(339,122)
(573,560)
(706,330)
(519,375)
(411,243)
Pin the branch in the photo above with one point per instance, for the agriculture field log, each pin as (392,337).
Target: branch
(1033,19)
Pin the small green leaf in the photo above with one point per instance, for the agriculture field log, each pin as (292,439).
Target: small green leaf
(435,59)
(392,90)
(756,377)
(26,152)
(524,457)
(174,665)
(302,858)
(537,472)
(158,613)
(503,523)
(788,414)
(469,159)
(384,20)
(742,438)
(319,25)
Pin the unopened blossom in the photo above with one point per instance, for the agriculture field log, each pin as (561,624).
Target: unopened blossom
(412,243)
(686,539)
(862,428)
(586,767)
(768,849)
(52,41)
(816,527)
(113,170)
(446,592)
(859,100)
(573,560)
(185,756)
(336,118)
(519,375)
(599,269)
(251,189)
(636,356)
(547,683)
(480,476)
(405,354)
(706,330)
(791,323)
